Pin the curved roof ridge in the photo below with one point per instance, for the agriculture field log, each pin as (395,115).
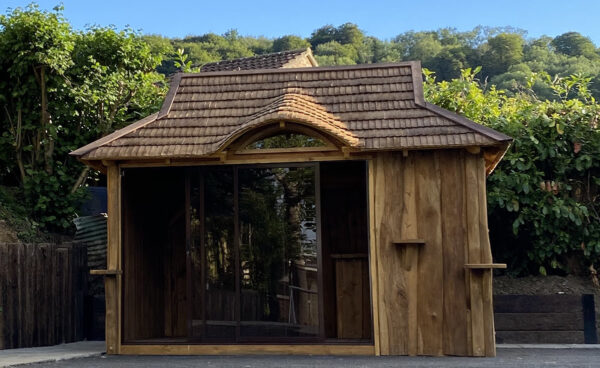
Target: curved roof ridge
(296,107)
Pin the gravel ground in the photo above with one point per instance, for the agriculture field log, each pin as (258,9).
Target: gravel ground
(506,358)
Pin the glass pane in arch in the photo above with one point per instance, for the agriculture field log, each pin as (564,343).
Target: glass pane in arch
(286,140)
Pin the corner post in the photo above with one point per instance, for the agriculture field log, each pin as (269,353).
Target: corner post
(112,285)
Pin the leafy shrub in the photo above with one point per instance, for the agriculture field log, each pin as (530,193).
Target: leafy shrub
(543,198)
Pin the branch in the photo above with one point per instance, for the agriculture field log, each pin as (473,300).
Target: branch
(81,179)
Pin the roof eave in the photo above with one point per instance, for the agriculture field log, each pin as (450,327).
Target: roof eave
(80,152)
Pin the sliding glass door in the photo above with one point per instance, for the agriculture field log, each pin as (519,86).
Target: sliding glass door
(254,254)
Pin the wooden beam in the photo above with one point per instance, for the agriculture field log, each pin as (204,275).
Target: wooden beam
(223,156)
(113,260)
(373,268)
(247,159)
(474,256)
(242,349)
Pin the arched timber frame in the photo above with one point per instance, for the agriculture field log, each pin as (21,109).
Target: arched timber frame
(239,146)
(235,148)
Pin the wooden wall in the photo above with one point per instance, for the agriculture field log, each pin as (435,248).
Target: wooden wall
(345,244)
(154,270)
(429,219)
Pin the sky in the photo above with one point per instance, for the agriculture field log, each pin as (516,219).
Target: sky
(382,19)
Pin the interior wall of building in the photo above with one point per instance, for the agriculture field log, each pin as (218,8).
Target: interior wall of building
(153,245)
(345,247)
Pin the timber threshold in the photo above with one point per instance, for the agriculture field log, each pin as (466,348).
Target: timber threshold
(245,349)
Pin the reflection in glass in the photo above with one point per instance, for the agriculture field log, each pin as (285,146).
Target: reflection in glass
(212,255)
(278,252)
(286,140)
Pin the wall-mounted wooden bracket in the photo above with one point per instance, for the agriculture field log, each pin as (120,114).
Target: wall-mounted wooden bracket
(405,242)
(485,266)
(409,252)
(106,272)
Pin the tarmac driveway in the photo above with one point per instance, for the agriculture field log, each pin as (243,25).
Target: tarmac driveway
(506,358)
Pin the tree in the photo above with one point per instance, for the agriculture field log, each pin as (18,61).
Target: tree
(334,53)
(160,45)
(63,90)
(35,48)
(574,44)
(289,42)
(422,46)
(323,35)
(503,50)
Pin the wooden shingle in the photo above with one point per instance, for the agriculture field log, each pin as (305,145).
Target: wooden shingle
(367,107)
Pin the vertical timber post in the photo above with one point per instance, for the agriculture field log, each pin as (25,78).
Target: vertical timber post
(112,284)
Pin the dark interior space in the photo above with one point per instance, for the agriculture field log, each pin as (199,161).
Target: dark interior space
(277,254)
(154,260)
(344,240)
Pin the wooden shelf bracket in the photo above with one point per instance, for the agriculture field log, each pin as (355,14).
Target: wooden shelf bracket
(106,272)
(405,242)
(485,266)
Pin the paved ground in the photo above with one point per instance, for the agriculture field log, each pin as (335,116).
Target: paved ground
(80,349)
(507,357)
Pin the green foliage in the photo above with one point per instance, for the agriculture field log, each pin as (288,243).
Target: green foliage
(508,58)
(289,43)
(16,215)
(59,90)
(543,198)
(182,63)
(574,44)
(502,51)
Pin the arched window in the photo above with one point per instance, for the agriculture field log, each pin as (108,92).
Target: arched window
(286,139)
(283,137)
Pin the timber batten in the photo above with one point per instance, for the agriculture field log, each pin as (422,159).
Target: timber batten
(398,258)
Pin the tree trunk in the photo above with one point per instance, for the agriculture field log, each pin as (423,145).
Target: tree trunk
(45,122)
(19,144)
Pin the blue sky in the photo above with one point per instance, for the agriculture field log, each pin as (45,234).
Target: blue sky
(383,19)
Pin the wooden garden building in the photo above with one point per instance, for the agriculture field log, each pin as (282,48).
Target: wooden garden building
(273,206)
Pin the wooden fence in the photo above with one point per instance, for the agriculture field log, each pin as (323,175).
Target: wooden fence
(545,319)
(42,289)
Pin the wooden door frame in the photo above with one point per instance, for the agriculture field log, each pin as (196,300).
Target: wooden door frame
(114,312)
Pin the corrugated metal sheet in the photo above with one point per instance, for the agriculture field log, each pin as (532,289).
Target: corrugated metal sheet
(91,231)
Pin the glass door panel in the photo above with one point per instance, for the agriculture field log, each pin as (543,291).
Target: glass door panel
(278,252)
(212,255)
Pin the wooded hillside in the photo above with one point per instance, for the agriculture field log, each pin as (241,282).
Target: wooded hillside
(507,56)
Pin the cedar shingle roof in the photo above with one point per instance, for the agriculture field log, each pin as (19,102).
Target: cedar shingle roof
(367,107)
(284,59)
